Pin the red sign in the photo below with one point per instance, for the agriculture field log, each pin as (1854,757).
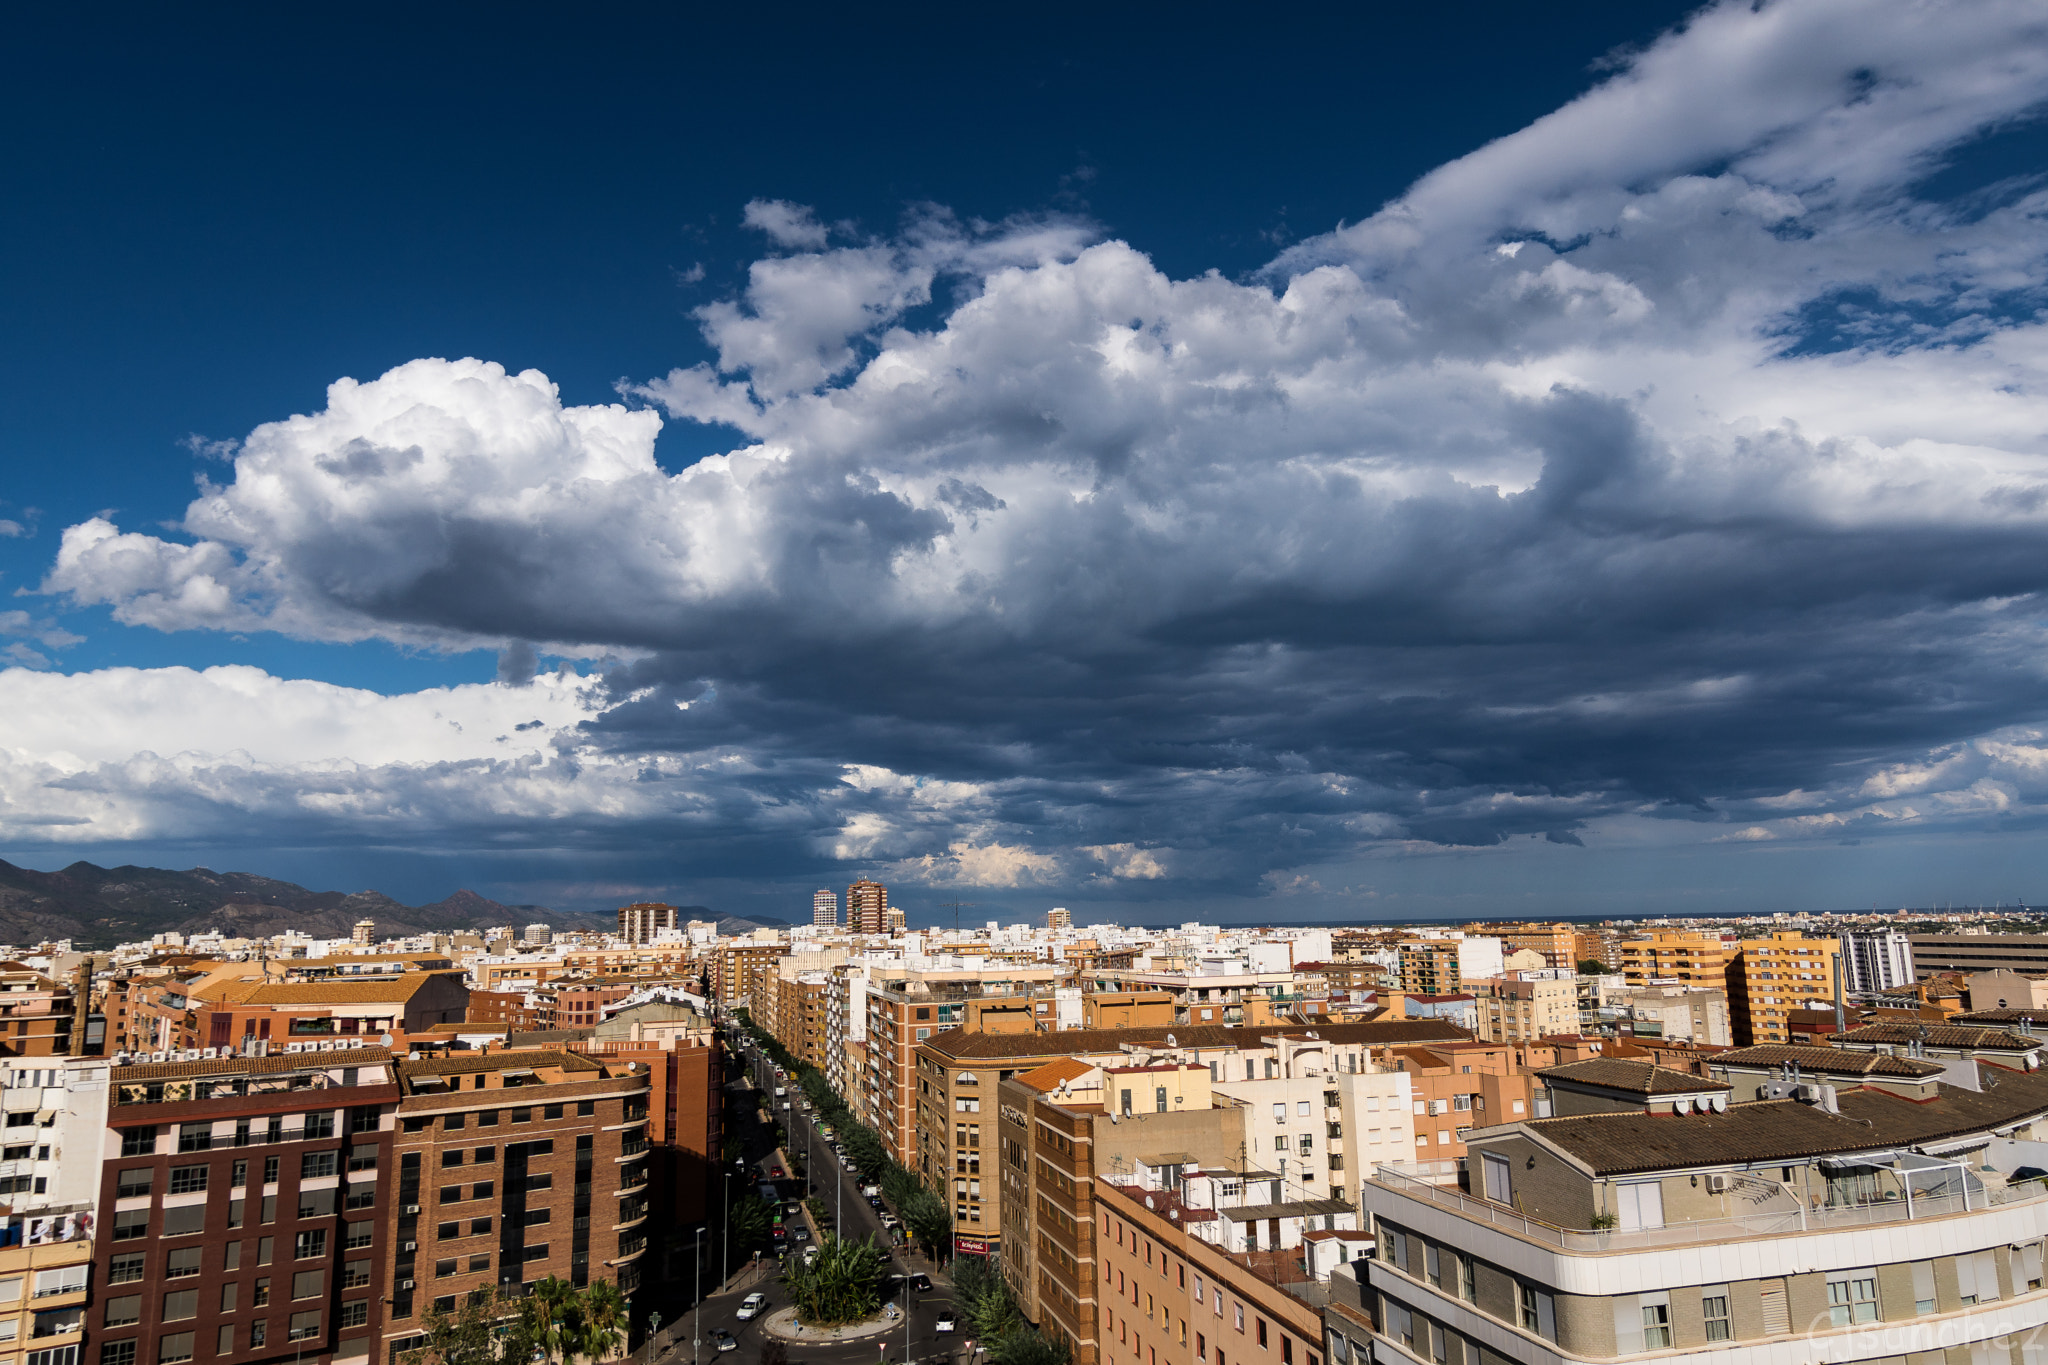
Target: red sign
(971,1246)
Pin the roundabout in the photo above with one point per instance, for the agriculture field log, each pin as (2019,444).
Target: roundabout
(782,1324)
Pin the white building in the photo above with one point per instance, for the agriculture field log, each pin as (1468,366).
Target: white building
(1876,959)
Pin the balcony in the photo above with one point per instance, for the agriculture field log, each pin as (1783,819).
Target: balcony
(1778,1213)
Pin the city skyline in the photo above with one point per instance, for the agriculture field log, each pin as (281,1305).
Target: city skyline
(1595,468)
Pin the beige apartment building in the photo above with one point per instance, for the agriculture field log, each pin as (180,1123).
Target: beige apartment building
(1771,977)
(1525,1006)
(1684,956)
(959,1073)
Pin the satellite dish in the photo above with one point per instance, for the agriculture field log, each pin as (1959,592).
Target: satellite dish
(387,1040)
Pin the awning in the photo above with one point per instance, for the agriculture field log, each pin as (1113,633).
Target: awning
(1860,1162)
(45,1117)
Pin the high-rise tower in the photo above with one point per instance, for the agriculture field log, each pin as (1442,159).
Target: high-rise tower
(825,909)
(867,903)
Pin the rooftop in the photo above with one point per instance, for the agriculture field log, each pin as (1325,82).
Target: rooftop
(1637,1078)
(1826,1061)
(1376,1033)
(1945,1035)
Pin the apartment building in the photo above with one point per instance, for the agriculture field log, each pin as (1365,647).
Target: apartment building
(802,1000)
(1524,1006)
(1218,994)
(223,1007)
(1173,1295)
(1558,942)
(1876,960)
(641,921)
(1769,978)
(1676,955)
(1320,1130)
(867,907)
(245,1204)
(1430,967)
(1679,1014)
(511,1166)
(904,1009)
(1967,953)
(735,970)
(958,1073)
(1856,1227)
(1457,1086)
(38,1013)
(55,1123)
(579,1001)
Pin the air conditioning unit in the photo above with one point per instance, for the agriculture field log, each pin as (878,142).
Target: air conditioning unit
(1718,1182)
(412,1208)
(405,1284)
(157,1056)
(412,1246)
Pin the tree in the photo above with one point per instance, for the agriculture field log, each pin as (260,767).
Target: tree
(748,1222)
(604,1316)
(549,1316)
(1027,1347)
(926,1218)
(842,1283)
(474,1334)
(984,1297)
(1591,966)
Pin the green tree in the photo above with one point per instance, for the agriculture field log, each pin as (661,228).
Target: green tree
(984,1297)
(1590,966)
(748,1221)
(842,1284)
(604,1316)
(927,1220)
(1027,1347)
(475,1334)
(549,1315)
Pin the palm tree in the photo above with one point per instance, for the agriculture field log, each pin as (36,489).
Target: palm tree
(604,1317)
(549,1315)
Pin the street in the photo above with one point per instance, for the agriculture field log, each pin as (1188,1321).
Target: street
(692,1340)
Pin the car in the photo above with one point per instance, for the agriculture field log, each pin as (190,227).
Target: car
(750,1305)
(775,1173)
(921,1283)
(724,1340)
(800,1233)
(874,1201)
(889,1220)
(810,1254)
(945,1322)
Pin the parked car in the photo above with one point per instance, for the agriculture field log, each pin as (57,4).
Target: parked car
(800,1233)
(750,1305)
(723,1339)
(945,1322)
(810,1254)
(921,1283)
(874,1201)
(775,1173)
(890,1220)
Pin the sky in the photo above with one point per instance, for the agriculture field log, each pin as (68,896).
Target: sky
(1487,460)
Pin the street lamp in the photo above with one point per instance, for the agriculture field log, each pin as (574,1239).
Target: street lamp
(653,1331)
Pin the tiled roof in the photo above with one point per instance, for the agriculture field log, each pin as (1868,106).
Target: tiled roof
(1944,1035)
(1637,1078)
(1788,1130)
(2014,1016)
(1052,1075)
(378,991)
(1068,1042)
(1828,1061)
(251,1066)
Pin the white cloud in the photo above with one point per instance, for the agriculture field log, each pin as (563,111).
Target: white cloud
(1657,456)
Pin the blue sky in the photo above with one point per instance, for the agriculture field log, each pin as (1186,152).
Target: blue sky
(1475,459)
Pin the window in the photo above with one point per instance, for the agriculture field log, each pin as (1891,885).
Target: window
(118,1353)
(185,1218)
(182,1262)
(452,1156)
(1468,1280)
(1538,1311)
(487,1118)
(454,1123)
(124,1311)
(124,1269)
(483,1189)
(314,1165)
(310,1244)
(479,1227)
(362,1157)
(180,1304)
(1714,1312)
(1976,1278)
(485,1154)
(224,1340)
(305,1325)
(139,1142)
(134,1184)
(1240,1316)
(270,1170)
(173,1348)
(1640,1205)
(552,1111)
(448,1231)
(358,1235)
(195,1137)
(355,1313)
(1923,1287)
(259,1332)
(1261,1323)
(309,1284)
(1852,1296)
(229,1296)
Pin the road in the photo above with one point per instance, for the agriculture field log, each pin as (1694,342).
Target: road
(838,1188)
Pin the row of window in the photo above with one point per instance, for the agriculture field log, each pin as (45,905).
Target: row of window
(173,1348)
(488,1118)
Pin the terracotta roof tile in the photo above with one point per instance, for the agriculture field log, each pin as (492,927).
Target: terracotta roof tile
(1827,1061)
(251,1066)
(1068,1042)
(1638,1078)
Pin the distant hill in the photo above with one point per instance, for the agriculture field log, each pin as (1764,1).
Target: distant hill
(101,906)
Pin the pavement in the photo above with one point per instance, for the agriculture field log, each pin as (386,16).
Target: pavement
(691,1340)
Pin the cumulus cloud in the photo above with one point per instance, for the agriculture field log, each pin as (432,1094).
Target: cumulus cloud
(1673,457)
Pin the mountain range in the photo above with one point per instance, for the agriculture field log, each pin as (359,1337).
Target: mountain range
(102,906)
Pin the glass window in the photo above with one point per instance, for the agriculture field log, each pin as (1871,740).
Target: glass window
(1852,1296)
(1714,1311)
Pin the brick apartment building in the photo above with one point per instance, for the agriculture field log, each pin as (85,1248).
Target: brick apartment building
(511,1166)
(244,1205)
(223,1007)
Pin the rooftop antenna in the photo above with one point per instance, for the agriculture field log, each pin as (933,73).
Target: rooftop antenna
(956,907)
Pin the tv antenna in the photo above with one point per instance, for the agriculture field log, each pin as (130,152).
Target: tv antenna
(956,907)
